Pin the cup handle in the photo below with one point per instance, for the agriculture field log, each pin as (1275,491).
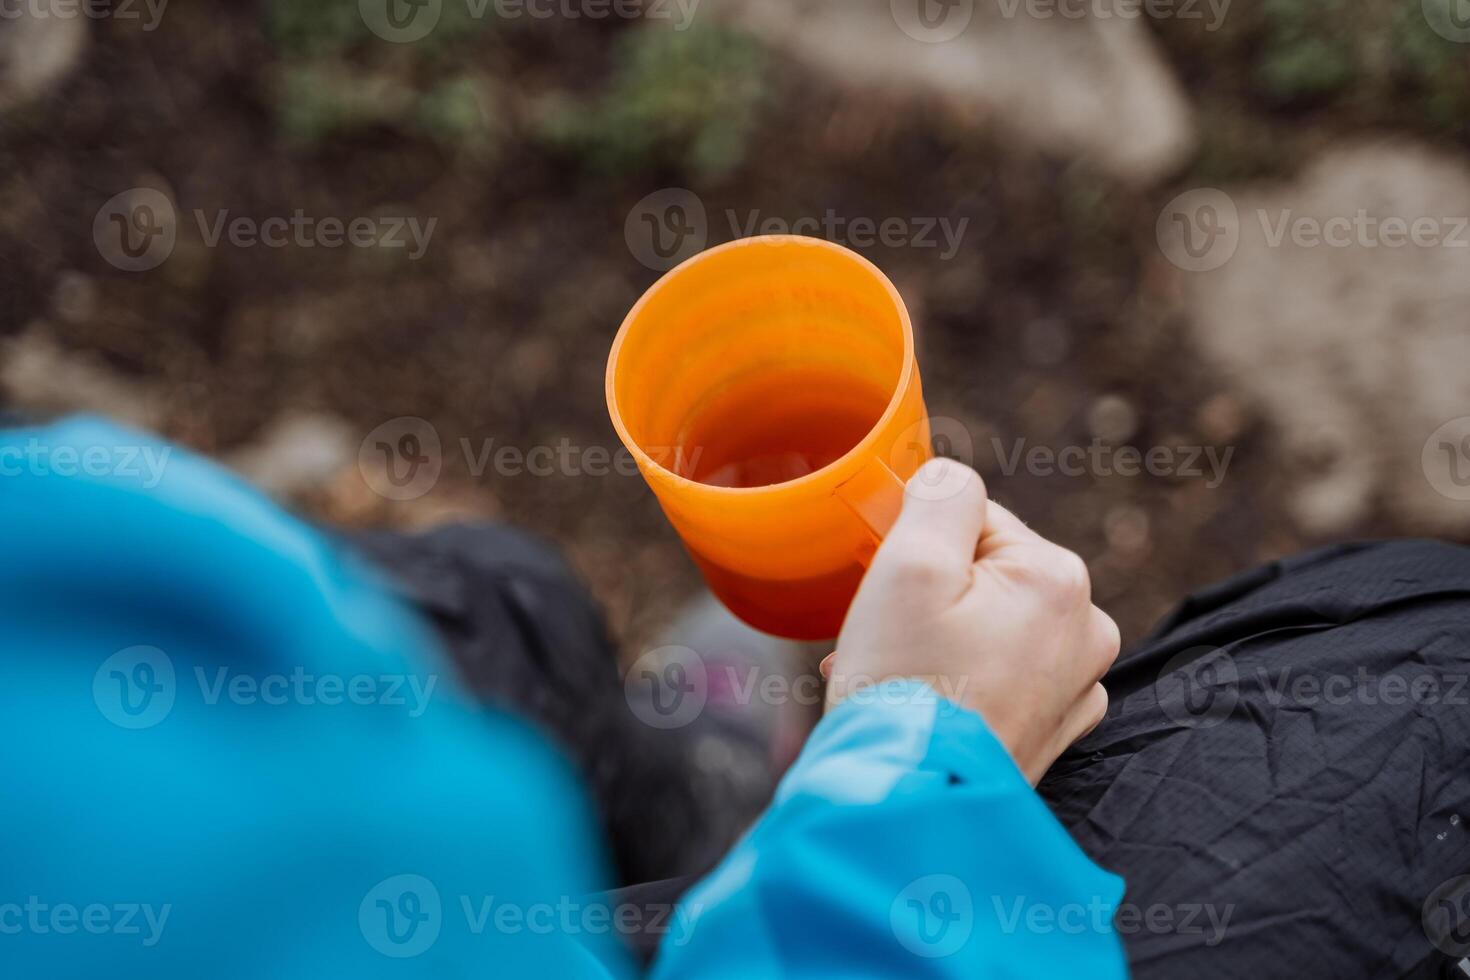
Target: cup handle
(875,496)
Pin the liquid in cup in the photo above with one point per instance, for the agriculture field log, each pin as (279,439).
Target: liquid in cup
(769,392)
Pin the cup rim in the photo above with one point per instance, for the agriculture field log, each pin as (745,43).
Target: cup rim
(647,463)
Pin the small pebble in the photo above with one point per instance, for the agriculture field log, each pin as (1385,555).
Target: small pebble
(1112,419)
(1127,529)
(75,297)
(1222,419)
(1045,342)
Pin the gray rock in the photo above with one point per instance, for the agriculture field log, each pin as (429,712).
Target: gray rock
(1353,342)
(1093,88)
(297,453)
(36,53)
(38,375)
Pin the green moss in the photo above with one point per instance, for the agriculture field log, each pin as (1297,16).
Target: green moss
(314,102)
(337,77)
(459,113)
(319,28)
(687,97)
(1307,68)
(1434,70)
(318,102)
(1309,50)
(314,27)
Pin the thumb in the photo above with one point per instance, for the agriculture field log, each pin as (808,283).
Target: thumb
(943,516)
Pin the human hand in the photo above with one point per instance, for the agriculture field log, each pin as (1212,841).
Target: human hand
(963,595)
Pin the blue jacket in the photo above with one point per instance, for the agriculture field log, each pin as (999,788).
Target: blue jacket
(228,753)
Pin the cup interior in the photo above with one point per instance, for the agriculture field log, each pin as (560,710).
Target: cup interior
(764,336)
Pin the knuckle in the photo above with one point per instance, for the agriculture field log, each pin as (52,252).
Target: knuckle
(914,569)
(1112,637)
(1068,576)
(1102,660)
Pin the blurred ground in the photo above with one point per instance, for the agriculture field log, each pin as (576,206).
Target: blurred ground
(1058,320)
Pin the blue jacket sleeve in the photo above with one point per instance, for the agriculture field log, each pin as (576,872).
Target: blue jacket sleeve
(904,842)
(231,754)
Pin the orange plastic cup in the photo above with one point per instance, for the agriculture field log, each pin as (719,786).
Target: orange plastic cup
(786,362)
